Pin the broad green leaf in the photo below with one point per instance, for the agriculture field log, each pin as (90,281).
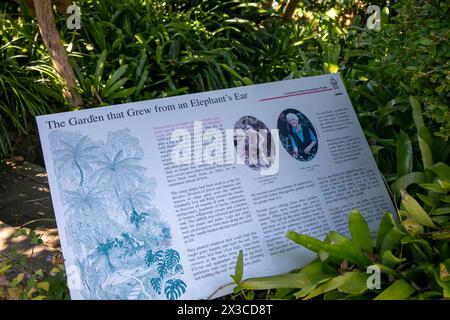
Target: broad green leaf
(360,231)
(349,282)
(386,224)
(434,187)
(403,182)
(141,83)
(446,199)
(431,201)
(391,240)
(239,269)
(123,93)
(399,290)
(441,169)
(309,275)
(444,184)
(416,113)
(427,156)
(341,247)
(116,75)
(412,227)
(415,211)
(388,259)
(440,211)
(112,89)
(100,66)
(387,270)
(39,298)
(310,288)
(404,154)
(440,235)
(423,244)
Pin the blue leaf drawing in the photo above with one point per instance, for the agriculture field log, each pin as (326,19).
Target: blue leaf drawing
(137,218)
(105,248)
(179,268)
(85,201)
(99,180)
(130,245)
(78,155)
(162,269)
(151,258)
(171,258)
(156,285)
(118,171)
(174,288)
(135,199)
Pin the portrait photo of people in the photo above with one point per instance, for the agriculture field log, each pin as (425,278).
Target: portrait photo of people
(297,135)
(254,143)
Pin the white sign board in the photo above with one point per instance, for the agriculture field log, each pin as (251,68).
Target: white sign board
(154,199)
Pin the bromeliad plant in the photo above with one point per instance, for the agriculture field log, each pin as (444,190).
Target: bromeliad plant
(409,259)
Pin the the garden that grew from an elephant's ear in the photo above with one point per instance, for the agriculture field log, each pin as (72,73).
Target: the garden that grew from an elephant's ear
(397,75)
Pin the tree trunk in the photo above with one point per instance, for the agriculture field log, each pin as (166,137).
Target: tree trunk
(58,54)
(289,10)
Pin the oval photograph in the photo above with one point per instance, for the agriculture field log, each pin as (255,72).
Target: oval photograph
(297,135)
(254,143)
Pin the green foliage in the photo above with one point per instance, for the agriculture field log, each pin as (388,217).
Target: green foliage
(397,79)
(414,264)
(28,85)
(18,280)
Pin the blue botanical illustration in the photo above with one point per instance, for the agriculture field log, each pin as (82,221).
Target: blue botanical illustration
(167,266)
(122,244)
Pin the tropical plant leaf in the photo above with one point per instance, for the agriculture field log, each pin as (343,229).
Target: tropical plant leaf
(349,282)
(309,275)
(174,289)
(156,284)
(386,224)
(341,247)
(239,269)
(171,258)
(415,211)
(404,154)
(360,231)
(399,290)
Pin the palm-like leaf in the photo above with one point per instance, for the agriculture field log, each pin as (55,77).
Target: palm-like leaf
(136,199)
(92,200)
(118,170)
(79,155)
